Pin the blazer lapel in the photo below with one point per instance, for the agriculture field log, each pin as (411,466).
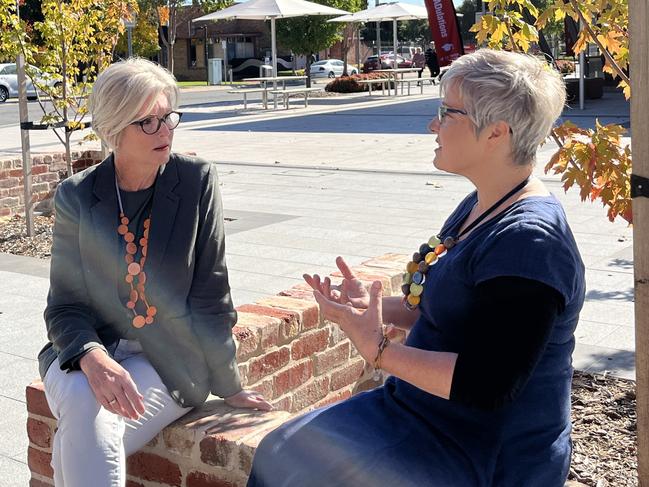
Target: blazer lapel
(105,219)
(165,206)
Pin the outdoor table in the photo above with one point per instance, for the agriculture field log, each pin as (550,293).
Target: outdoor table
(397,74)
(265,80)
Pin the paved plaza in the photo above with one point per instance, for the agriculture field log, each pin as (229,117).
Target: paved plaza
(351,176)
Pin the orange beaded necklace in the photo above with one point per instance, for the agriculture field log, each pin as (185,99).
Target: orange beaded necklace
(135,270)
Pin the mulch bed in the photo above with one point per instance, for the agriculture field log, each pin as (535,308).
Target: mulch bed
(603,407)
(14,240)
(604,431)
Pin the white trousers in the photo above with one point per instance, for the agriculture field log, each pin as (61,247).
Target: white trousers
(91,444)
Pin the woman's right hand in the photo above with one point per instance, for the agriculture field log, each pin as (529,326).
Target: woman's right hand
(350,291)
(112,384)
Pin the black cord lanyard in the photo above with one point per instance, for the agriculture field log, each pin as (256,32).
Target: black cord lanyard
(486,213)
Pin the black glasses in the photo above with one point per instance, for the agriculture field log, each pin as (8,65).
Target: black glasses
(151,125)
(442,110)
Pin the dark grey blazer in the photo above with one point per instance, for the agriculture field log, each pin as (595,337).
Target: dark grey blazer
(190,342)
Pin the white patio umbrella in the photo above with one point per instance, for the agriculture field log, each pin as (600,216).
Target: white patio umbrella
(270,10)
(387,11)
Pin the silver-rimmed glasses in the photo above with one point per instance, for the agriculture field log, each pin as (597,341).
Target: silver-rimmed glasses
(442,110)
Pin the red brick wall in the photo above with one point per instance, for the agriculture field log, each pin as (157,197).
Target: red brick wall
(285,350)
(47,172)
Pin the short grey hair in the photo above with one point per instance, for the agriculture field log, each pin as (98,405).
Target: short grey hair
(125,90)
(518,89)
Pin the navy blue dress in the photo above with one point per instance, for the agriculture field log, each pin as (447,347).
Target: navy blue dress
(399,435)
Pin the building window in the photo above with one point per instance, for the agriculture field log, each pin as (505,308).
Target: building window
(244,47)
(240,47)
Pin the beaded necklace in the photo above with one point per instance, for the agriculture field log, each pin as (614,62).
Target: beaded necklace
(135,270)
(436,247)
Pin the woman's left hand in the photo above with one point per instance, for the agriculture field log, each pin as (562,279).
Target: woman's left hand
(249,400)
(362,326)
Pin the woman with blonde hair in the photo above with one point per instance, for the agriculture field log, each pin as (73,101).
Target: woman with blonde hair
(479,394)
(139,314)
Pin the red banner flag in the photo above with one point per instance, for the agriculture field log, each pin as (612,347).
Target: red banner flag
(445,30)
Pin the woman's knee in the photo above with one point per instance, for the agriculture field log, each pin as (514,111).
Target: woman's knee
(75,398)
(270,443)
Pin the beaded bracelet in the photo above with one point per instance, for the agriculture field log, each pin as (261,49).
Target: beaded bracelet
(383,344)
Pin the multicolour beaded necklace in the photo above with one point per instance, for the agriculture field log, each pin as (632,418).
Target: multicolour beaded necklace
(135,270)
(430,252)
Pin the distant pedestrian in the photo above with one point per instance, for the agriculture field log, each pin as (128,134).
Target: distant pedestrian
(419,61)
(432,63)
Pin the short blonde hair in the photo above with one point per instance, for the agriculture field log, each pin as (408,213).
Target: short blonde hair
(519,89)
(125,90)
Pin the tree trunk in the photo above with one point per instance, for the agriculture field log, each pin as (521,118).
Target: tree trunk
(345,49)
(638,20)
(64,99)
(307,70)
(172,37)
(170,57)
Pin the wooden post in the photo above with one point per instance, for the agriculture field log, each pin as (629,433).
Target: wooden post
(639,39)
(24,138)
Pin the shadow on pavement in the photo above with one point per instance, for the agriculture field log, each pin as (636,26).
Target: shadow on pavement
(405,117)
(402,118)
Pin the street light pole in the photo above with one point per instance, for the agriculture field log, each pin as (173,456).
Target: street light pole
(129,23)
(129,39)
(207,75)
(358,46)
(378,38)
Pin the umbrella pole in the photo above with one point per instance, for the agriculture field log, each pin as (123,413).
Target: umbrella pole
(273,48)
(273,45)
(395,65)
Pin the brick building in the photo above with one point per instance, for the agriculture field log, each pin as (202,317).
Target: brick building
(247,43)
(244,43)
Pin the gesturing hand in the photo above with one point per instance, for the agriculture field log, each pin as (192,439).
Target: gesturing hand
(112,384)
(248,399)
(362,326)
(351,290)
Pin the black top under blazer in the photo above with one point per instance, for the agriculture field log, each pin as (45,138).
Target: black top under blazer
(190,342)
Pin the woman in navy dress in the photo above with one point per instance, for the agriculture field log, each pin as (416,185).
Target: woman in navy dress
(479,394)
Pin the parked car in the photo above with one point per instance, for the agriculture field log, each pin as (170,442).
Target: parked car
(387,62)
(406,51)
(330,68)
(9,82)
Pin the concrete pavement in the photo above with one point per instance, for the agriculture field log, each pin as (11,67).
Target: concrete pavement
(302,186)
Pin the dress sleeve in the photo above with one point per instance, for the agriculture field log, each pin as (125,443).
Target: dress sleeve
(507,330)
(212,311)
(537,250)
(69,321)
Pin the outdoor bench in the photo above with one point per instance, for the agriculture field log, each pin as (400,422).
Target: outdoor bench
(246,91)
(371,82)
(419,81)
(285,350)
(286,93)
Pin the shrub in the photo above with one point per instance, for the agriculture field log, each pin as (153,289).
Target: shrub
(348,84)
(565,66)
